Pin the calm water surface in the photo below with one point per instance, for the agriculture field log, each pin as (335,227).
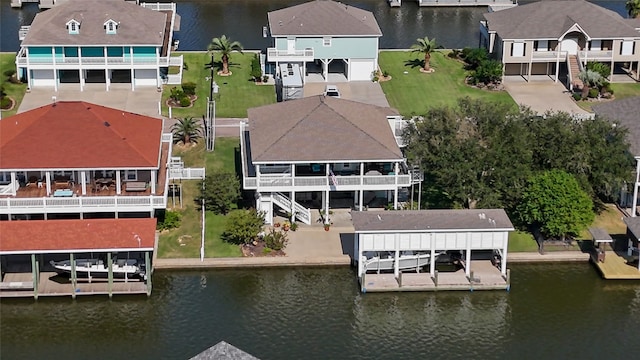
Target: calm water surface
(559,311)
(243,20)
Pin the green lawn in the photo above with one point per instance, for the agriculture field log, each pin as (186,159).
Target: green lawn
(520,241)
(15,91)
(620,91)
(185,241)
(413,92)
(237,92)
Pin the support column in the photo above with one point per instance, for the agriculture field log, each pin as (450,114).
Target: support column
(110,274)
(147,271)
(361,200)
(48,182)
(503,263)
(35,275)
(83,181)
(81,71)
(154,180)
(74,276)
(107,79)
(432,260)
(14,179)
(467,261)
(118,183)
(558,63)
(395,190)
(396,263)
(636,185)
(357,252)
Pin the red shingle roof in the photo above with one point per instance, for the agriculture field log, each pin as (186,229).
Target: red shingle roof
(79,135)
(43,236)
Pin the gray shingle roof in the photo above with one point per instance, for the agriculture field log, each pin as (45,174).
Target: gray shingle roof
(320,128)
(431,220)
(625,112)
(137,25)
(550,19)
(633,224)
(323,17)
(223,351)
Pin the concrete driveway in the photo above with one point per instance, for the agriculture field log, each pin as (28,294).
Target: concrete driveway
(542,96)
(363,91)
(142,101)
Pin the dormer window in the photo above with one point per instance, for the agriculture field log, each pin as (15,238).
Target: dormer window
(73,26)
(110,26)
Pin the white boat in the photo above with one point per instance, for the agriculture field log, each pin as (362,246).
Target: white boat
(406,261)
(121,268)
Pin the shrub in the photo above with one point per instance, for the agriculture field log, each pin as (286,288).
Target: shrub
(176,94)
(189,88)
(5,103)
(593,93)
(385,73)
(242,226)
(489,71)
(185,101)
(256,71)
(276,239)
(9,73)
(606,88)
(265,78)
(601,68)
(170,220)
(576,96)
(294,226)
(474,57)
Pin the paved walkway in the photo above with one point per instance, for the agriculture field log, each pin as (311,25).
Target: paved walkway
(551,256)
(542,96)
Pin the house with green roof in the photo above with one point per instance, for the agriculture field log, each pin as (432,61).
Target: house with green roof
(80,42)
(555,39)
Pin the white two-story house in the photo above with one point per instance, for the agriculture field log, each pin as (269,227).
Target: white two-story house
(80,42)
(557,38)
(79,160)
(322,152)
(326,40)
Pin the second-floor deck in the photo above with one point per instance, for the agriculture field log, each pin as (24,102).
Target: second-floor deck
(275,55)
(76,61)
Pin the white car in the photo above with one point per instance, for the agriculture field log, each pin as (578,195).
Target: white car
(332,90)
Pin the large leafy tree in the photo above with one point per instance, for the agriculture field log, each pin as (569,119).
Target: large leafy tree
(221,191)
(187,130)
(554,203)
(425,46)
(633,8)
(225,46)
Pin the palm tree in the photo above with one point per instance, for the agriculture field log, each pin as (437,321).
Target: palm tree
(633,8)
(425,46)
(225,46)
(186,131)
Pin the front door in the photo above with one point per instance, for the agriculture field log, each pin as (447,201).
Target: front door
(291,46)
(570,45)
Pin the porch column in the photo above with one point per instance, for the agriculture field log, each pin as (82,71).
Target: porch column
(325,70)
(48,182)
(118,184)
(35,274)
(467,261)
(110,274)
(361,200)
(396,265)
(81,73)
(395,190)
(304,72)
(154,180)
(106,71)
(107,79)
(257,177)
(558,62)
(73,277)
(133,87)
(529,71)
(503,264)
(357,252)
(432,262)
(293,206)
(83,181)
(147,272)
(29,85)
(13,182)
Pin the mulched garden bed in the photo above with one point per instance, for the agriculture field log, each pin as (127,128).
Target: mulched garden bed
(176,103)
(257,249)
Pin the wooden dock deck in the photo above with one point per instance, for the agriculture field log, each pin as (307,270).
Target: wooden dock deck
(616,266)
(485,276)
(52,285)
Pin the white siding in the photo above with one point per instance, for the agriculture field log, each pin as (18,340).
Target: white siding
(478,240)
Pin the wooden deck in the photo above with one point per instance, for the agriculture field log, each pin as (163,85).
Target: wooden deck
(485,276)
(616,266)
(52,285)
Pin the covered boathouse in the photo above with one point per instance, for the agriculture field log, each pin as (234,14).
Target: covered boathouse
(28,250)
(394,250)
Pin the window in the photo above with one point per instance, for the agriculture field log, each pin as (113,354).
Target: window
(326,41)
(131,175)
(518,49)
(627,47)
(541,45)
(110,26)
(73,26)
(595,45)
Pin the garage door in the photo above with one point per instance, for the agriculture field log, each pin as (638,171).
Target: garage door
(42,78)
(361,69)
(145,77)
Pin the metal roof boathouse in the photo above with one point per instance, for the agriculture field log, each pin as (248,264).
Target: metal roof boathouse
(392,248)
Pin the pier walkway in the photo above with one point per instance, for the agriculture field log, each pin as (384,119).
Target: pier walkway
(500,4)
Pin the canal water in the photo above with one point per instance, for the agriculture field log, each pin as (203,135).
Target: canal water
(243,20)
(554,311)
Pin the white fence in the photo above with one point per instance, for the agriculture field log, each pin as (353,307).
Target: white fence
(186,174)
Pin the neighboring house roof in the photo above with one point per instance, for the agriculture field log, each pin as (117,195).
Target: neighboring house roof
(136,25)
(46,236)
(79,135)
(223,351)
(320,128)
(633,224)
(625,112)
(323,17)
(431,220)
(551,19)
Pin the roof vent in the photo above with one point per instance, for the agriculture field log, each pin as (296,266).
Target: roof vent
(106,123)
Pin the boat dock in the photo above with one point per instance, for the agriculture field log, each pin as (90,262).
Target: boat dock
(614,266)
(21,285)
(458,3)
(42,4)
(484,276)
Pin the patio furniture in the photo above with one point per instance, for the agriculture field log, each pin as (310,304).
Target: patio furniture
(135,186)
(63,193)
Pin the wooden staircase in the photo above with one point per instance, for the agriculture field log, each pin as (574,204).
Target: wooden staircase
(574,69)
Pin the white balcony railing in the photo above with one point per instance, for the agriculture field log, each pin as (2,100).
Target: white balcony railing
(548,55)
(285,183)
(187,174)
(159,6)
(274,54)
(82,204)
(596,55)
(9,189)
(22,59)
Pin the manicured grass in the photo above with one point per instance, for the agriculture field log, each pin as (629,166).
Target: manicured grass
(621,91)
(190,230)
(413,93)
(237,92)
(610,220)
(15,91)
(520,241)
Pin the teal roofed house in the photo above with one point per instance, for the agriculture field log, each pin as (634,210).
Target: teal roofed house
(100,42)
(326,40)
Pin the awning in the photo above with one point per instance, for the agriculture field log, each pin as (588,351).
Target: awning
(600,235)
